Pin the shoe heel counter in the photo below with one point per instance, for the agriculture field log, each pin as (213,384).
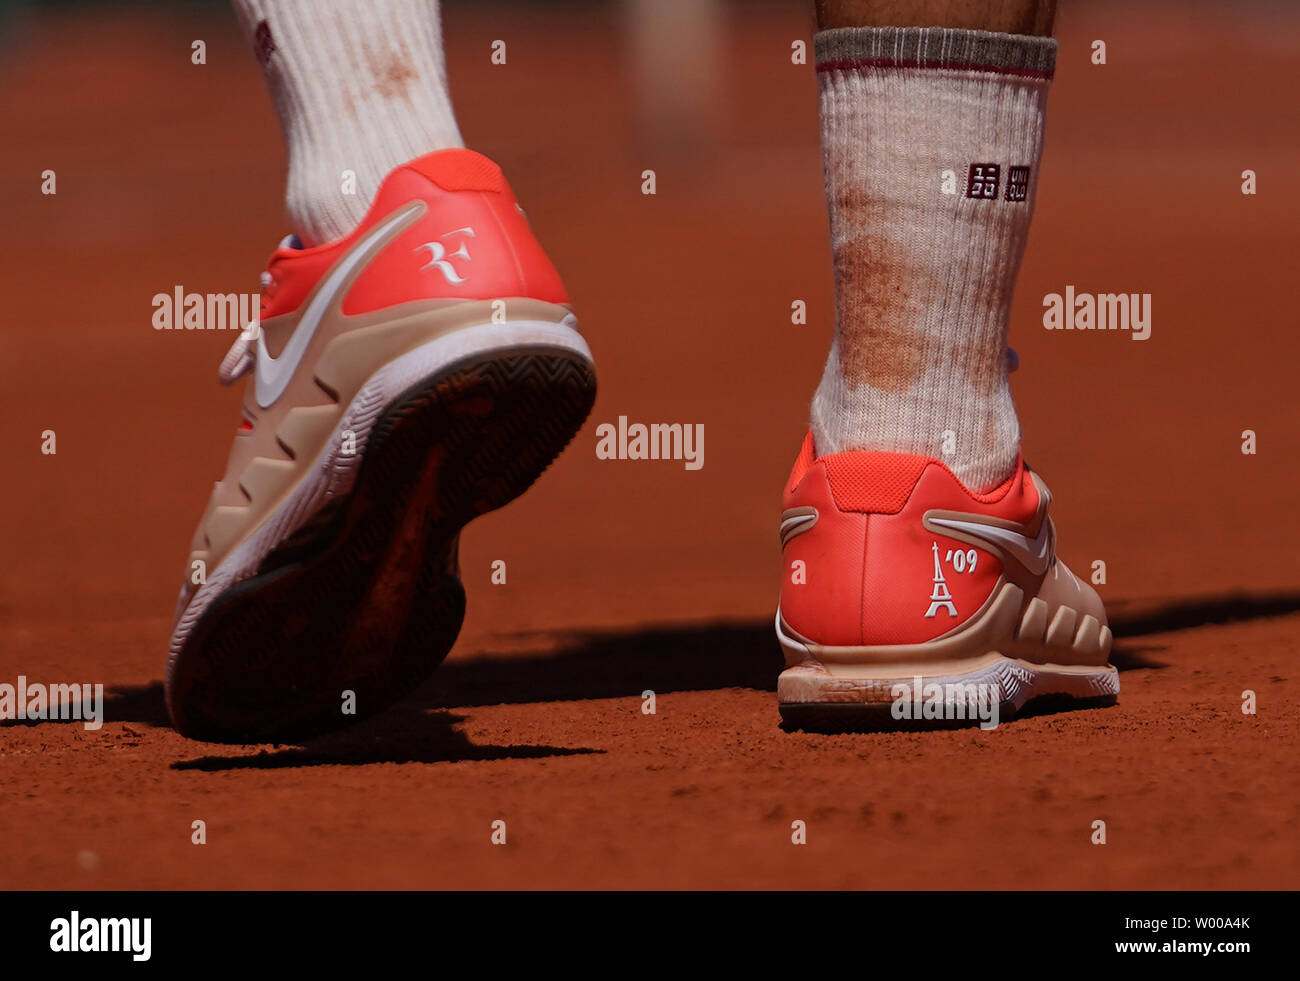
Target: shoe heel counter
(893,581)
(822,559)
(464,171)
(471,241)
(921,584)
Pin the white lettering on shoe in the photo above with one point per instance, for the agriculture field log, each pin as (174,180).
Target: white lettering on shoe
(1035,554)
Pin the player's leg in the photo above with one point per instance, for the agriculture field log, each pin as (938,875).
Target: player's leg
(359,88)
(416,364)
(931,140)
(924,273)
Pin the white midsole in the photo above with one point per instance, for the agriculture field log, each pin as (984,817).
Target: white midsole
(1004,678)
(334,472)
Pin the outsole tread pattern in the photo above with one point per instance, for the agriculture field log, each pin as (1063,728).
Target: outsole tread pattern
(366,597)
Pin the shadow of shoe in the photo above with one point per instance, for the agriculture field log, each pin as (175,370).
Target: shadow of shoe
(573,666)
(1139,619)
(404,734)
(1128,656)
(615,664)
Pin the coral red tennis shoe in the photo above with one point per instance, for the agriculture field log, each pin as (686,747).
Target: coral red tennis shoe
(908,599)
(403,380)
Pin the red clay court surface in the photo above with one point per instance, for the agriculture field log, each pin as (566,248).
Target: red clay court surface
(627,576)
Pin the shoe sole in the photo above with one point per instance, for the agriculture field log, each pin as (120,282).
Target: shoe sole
(993,661)
(871,705)
(364,596)
(843,718)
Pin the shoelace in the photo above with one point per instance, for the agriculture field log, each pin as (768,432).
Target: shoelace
(239,359)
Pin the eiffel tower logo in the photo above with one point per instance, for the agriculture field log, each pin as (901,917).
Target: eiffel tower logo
(940,599)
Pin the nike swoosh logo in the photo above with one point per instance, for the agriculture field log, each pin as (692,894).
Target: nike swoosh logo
(274,374)
(1035,554)
(795,522)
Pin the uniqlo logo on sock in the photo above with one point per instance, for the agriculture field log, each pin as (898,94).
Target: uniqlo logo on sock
(983,181)
(1017,183)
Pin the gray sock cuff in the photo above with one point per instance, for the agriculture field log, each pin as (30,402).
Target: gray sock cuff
(939,48)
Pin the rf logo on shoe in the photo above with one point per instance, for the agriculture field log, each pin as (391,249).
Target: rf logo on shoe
(322,581)
(438,256)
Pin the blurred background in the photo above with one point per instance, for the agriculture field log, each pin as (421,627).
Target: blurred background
(171,174)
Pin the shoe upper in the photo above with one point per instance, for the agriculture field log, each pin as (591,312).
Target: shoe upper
(890,549)
(467,238)
(443,245)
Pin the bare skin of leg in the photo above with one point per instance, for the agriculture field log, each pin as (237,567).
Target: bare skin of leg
(1005,16)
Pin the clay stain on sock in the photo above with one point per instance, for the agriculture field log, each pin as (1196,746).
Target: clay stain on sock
(985,366)
(879,343)
(391,70)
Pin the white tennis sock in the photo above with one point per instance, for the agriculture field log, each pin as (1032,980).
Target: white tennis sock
(360,86)
(931,140)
